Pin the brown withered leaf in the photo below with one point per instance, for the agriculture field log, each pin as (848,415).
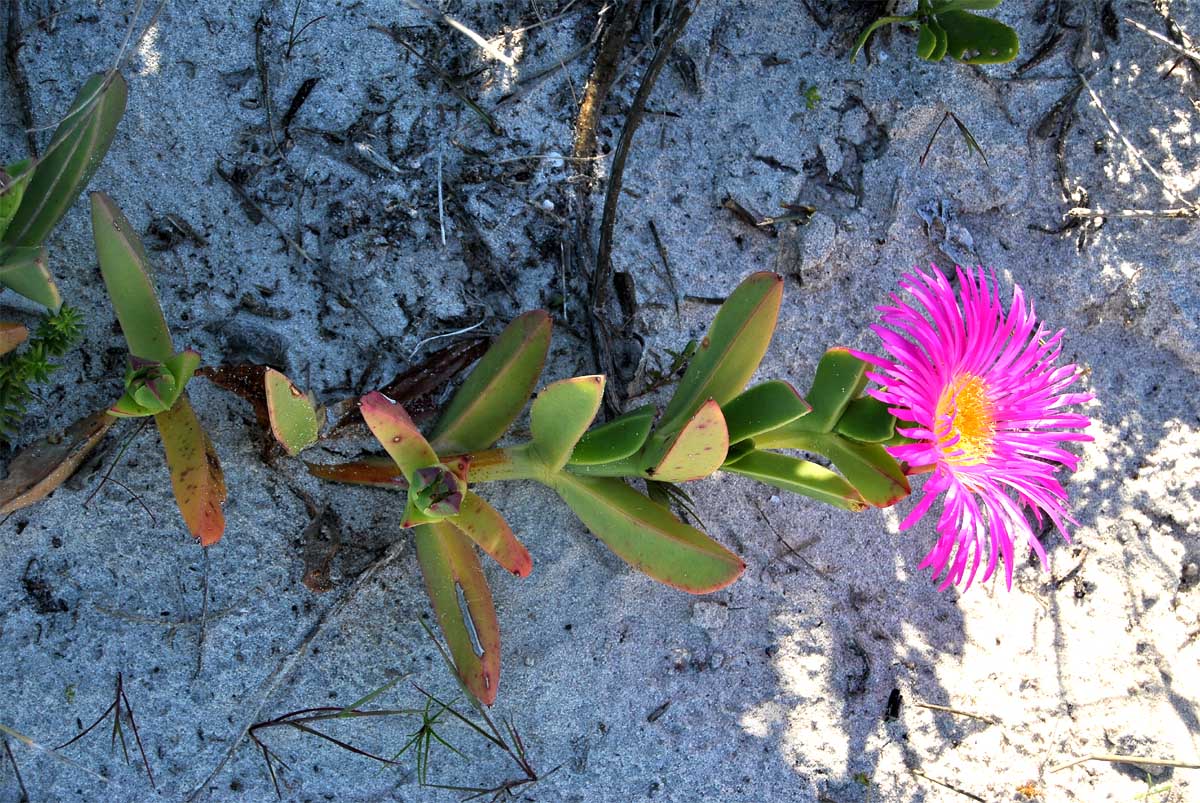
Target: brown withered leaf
(246,380)
(11,336)
(46,464)
(418,387)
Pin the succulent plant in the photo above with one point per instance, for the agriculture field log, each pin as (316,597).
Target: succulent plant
(948,28)
(157,376)
(35,194)
(711,422)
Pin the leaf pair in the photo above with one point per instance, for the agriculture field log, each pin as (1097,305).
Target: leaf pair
(948,28)
(844,426)
(155,384)
(34,197)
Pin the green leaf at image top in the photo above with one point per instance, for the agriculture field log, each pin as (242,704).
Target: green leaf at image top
(730,352)
(79,144)
(496,391)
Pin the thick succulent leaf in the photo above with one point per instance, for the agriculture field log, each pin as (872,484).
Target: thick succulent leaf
(645,535)
(978,40)
(872,28)
(840,378)
(392,427)
(487,528)
(72,157)
(697,450)
(196,474)
(13,181)
(730,352)
(739,450)
(867,420)
(762,408)
(873,472)
(293,413)
(11,336)
(463,603)
(941,41)
(799,476)
(560,415)
(127,275)
(496,391)
(40,468)
(23,269)
(617,439)
(926,42)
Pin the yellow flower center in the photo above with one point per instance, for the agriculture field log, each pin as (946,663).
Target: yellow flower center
(968,437)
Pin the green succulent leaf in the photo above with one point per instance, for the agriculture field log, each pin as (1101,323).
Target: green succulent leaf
(840,379)
(488,529)
(697,450)
(496,391)
(762,408)
(127,276)
(392,427)
(973,39)
(867,419)
(618,439)
(647,536)
(23,270)
(941,41)
(196,475)
(13,181)
(798,476)
(868,467)
(730,353)
(463,603)
(294,419)
(560,415)
(926,42)
(79,144)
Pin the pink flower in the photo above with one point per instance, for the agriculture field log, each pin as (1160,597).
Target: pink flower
(978,392)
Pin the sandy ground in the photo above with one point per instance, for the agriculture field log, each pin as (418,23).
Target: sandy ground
(774,689)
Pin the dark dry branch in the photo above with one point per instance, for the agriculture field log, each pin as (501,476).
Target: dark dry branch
(681,13)
(264,76)
(951,787)
(16,771)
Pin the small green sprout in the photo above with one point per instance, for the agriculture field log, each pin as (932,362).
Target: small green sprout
(21,368)
(948,28)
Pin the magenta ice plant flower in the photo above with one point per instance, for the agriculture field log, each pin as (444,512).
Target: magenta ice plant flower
(978,392)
